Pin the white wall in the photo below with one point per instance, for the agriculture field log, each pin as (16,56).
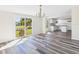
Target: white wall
(8,23)
(7,26)
(75,23)
(36,25)
(44,29)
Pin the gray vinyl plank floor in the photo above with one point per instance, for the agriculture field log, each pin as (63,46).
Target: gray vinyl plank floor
(54,43)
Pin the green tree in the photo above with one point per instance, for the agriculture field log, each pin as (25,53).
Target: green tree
(28,21)
(22,21)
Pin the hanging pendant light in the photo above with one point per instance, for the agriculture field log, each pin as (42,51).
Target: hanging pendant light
(40,13)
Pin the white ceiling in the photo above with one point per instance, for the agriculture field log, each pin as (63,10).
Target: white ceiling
(49,10)
(57,10)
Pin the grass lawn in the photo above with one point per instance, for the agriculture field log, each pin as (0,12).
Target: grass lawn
(19,27)
(28,32)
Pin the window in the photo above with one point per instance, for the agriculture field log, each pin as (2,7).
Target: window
(23,26)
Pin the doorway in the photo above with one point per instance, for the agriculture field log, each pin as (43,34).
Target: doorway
(23,26)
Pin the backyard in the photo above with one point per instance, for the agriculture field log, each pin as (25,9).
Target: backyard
(28,31)
(21,28)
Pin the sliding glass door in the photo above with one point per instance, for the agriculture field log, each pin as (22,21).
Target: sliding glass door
(28,26)
(23,26)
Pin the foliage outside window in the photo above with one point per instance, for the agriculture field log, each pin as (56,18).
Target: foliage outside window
(20,27)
